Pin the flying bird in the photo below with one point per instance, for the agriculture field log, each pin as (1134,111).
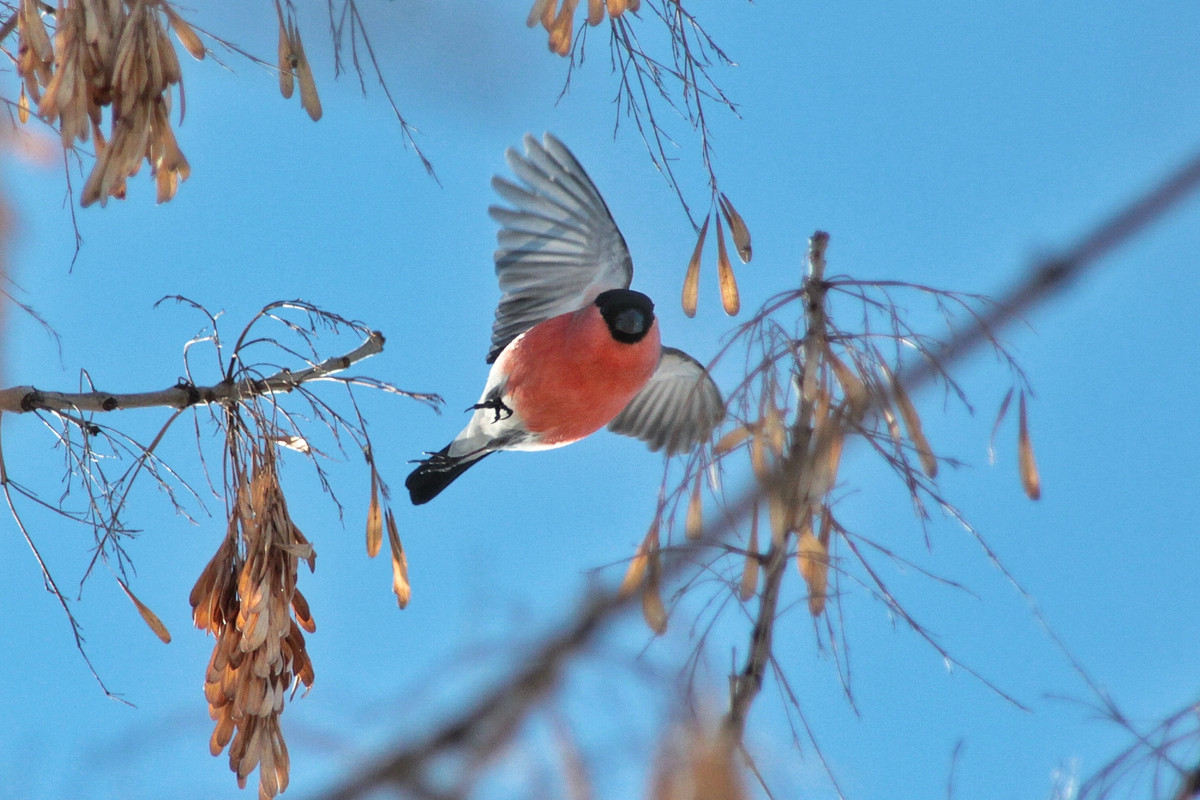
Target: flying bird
(573,347)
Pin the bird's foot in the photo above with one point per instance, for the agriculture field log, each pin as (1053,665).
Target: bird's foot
(494,404)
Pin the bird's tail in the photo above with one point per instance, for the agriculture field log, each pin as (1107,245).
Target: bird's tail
(436,473)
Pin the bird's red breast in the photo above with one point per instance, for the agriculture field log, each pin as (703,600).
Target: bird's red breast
(568,377)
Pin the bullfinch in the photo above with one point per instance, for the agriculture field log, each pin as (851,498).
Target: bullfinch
(573,348)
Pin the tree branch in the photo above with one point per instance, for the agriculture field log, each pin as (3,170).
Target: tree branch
(23,399)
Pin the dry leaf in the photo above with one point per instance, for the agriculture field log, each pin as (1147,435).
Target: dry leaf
(694,525)
(737,229)
(691,282)
(374,518)
(750,569)
(149,616)
(23,107)
(812,558)
(400,583)
(1030,480)
(729,291)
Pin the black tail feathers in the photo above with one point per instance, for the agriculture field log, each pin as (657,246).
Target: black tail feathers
(436,473)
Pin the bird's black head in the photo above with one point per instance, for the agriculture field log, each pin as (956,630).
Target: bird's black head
(629,314)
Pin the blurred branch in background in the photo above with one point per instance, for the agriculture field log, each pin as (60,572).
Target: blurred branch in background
(473,736)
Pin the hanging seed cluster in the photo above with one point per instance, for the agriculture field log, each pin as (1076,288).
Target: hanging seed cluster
(293,65)
(559,19)
(805,392)
(379,517)
(730,299)
(111,54)
(247,598)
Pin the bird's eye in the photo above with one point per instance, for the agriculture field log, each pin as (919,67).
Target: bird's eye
(630,321)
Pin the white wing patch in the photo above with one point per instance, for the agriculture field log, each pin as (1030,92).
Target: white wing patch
(558,245)
(677,409)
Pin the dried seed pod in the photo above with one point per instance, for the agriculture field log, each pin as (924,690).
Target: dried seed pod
(1030,480)
(616,7)
(853,388)
(23,106)
(826,526)
(539,12)
(777,516)
(830,438)
(813,560)
(309,100)
(912,422)
(287,61)
(996,425)
(773,433)
(730,300)
(636,572)
(187,36)
(691,281)
(737,229)
(694,525)
(374,518)
(595,12)
(549,12)
(633,5)
(751,568)
(400,583)
(732,439)
(653,610)
(759,462)
(152,620)
(560,31)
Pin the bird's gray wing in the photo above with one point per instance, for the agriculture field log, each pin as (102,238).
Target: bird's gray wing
(677,408)
(558,244)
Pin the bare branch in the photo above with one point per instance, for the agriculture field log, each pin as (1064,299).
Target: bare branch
(23,399)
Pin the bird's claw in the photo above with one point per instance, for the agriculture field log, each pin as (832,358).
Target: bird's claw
(494,404)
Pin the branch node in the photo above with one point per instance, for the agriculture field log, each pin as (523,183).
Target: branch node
(31,401)
(192,393)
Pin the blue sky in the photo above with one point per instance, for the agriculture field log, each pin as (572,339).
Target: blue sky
(950,146)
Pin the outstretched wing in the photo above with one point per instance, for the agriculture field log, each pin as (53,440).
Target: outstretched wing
(558,244)
(678,408)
